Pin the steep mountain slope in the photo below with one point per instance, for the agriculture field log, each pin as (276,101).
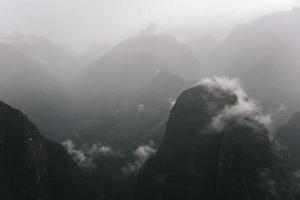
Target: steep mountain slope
(140,116)
(205,50)
(288,141)
(264,54)
(26,86)
(94,53)
(215,147)
(54,58)
(164,50)
(133,63)
(137,121)
(32,167)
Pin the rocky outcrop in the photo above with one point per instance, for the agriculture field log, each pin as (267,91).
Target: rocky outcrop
(287,138)
(32,167)
(198,161)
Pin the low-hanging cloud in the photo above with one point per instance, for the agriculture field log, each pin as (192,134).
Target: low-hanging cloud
(86,154)
(171,102)
(142,154)
(140,107)
(245,106)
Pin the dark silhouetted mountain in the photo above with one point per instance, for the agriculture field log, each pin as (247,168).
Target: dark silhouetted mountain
(32,167)
(196,161)
(24,85)
(288,141)
(287,144)
(140,117)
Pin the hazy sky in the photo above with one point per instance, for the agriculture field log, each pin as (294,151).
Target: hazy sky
(81,23)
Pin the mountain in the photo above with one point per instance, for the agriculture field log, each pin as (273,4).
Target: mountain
(26,86)
(213,150)
(136,123)
(52,57)
(140,116)
(164,50)
(32,167)
(205,50)
(94,53)
(264,54)
(130,65)
(288,141)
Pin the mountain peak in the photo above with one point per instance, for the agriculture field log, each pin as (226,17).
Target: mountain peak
(195,161)
(163,51)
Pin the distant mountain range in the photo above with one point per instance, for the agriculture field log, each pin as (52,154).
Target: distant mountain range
(136,60)
(54,58)
(140,116)
(129,67)
(264,54)
(132,102)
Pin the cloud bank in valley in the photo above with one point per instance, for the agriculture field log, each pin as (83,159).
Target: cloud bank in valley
(86,154)
(142,154)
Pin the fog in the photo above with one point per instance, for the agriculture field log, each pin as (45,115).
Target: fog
(135,90)
(69,63)
(81,24)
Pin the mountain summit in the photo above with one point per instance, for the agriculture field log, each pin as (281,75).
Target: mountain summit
(215,147)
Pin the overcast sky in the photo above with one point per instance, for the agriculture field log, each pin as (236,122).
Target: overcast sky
(81,23)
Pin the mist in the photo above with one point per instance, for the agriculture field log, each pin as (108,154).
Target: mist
(81,24)
(149,100)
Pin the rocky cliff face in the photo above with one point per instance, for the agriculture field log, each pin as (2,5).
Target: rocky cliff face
(208,155)
(288,140)
(32,167)
(287,143)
